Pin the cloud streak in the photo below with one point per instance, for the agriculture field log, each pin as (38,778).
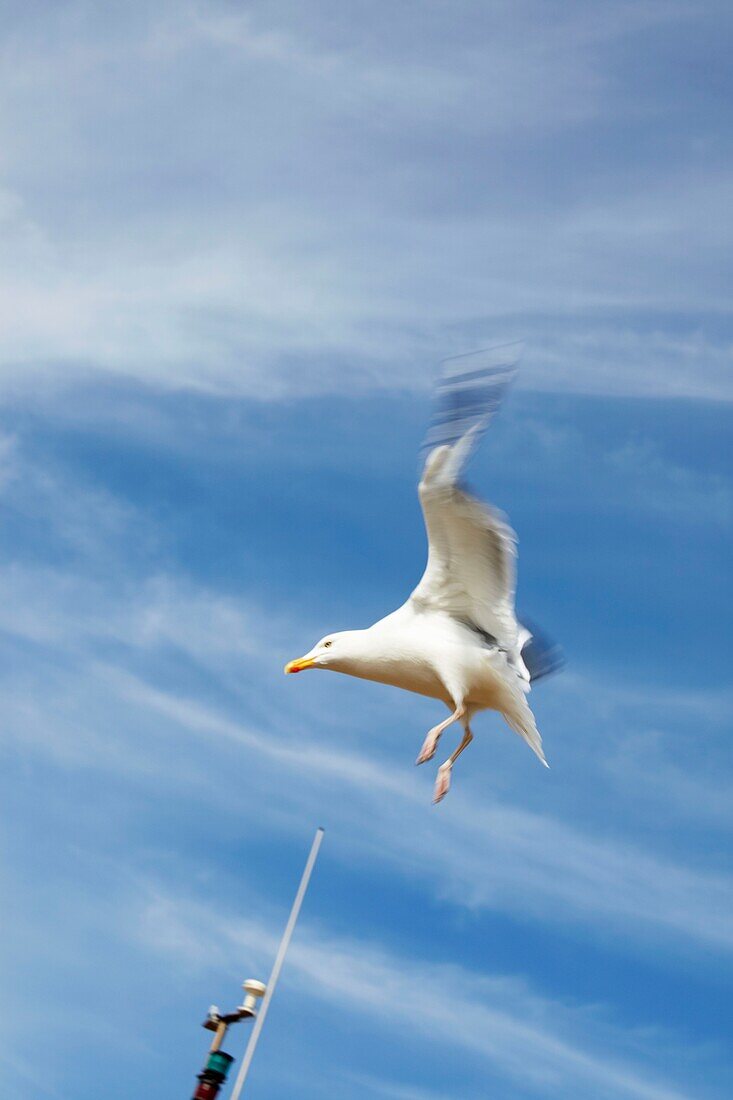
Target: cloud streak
(499,857)
(117,632)
(350,215)
(546,1046)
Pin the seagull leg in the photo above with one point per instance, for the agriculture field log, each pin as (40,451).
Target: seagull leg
(430,744)
(442,780)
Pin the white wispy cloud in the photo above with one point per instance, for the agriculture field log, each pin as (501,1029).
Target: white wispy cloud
(493,856)
(503,857)
(274,202)
(667,488)
(106,629)
(375,1086)
(355,205)
(547,1046)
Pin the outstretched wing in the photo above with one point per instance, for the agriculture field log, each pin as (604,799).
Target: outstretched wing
(470,573)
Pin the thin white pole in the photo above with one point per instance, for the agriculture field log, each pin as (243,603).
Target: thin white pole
(277,966)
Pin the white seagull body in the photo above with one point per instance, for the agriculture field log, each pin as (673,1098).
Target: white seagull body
(457,637)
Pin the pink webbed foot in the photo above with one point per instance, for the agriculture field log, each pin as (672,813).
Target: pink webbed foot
(442,782)
(430,745)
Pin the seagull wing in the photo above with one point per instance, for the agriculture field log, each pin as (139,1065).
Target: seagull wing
(470,574)
(472,550)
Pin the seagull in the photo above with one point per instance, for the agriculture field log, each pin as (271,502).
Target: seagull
(457,638)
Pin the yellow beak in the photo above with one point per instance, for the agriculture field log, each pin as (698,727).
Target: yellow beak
(300,664)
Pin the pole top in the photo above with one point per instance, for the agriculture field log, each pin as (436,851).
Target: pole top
(253,992)
(257,989)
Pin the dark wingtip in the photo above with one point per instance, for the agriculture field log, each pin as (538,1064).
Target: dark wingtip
(469,392)
(541,655)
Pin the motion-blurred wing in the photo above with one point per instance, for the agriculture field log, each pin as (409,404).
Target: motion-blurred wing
(541,656)
(468,394)
(470,573)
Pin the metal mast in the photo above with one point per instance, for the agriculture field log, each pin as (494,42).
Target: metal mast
(277,966)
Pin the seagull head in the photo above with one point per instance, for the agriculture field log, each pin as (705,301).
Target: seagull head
(334,651)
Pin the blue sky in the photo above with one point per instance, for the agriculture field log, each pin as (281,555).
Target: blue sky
(236,242)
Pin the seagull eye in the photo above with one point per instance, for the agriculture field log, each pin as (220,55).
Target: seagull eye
(327,644)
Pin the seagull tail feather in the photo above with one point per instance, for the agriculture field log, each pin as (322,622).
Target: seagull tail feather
(520,718)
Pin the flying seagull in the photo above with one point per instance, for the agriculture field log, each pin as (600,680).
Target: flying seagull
(457,638)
